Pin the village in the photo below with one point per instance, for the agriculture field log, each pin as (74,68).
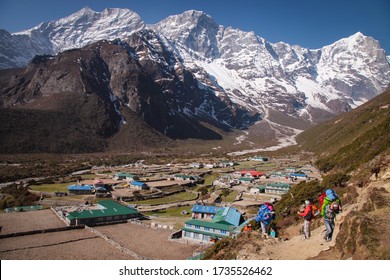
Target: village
(128,211)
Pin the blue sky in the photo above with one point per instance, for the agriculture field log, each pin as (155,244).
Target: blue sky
(309,23)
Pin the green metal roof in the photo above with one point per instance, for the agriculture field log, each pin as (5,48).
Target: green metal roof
(279,185)
(209,233)
(228,215)
(246,179)
(109,204)
(197,257)
(219,226)
(260,187)
(111,208)
(126,175)
(23,208)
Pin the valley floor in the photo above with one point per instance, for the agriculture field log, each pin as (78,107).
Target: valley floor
(133,241)
(139,241)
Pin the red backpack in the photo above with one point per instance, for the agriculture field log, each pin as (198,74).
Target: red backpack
(321,200)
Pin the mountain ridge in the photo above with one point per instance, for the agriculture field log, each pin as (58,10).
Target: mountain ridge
(250,75)
(109,86)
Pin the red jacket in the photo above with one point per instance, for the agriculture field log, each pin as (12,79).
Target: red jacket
(307,210)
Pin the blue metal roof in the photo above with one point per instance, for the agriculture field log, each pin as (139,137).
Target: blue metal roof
(136,183)
(80,188)
(205,209)
(298,175)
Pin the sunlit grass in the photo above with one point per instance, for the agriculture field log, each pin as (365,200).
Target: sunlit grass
(171,212)
(62,187)
(169,199)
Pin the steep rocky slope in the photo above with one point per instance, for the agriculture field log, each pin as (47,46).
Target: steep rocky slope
(100,90)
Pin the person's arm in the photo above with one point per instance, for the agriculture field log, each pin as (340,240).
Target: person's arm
(304,213)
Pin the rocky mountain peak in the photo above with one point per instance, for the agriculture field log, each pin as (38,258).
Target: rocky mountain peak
(356,66)
(191,19)
(86,11)
(193,30)
(79,29)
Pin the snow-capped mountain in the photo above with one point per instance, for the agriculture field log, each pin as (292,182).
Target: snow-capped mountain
(261,75)
(277,80)
(75,31)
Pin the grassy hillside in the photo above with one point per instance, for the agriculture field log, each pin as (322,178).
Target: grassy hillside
(353,138)
(348,149)
(353,151)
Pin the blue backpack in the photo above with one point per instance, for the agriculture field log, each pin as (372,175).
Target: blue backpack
(264,215)
(331,194)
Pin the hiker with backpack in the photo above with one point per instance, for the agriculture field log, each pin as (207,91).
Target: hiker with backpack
(265,216)
(330,206)
(330,214)
(308,214)
(327,198)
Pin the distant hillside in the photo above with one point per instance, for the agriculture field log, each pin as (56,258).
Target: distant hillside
(353,138)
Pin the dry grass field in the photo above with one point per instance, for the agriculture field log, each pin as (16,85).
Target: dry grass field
(78,244)
(148,242)
(26,221)
(82,244)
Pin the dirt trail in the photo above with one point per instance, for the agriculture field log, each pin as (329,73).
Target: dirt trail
(298,249)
